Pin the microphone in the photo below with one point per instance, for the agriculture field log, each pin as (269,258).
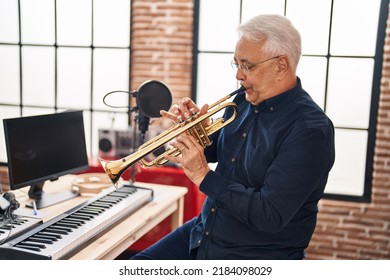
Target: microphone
(143,123)
(153,96)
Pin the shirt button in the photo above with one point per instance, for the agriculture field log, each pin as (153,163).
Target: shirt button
(244,135)
(233,159)
(198,241)
(256,111)
(206,233)
(212,210)
(271,108)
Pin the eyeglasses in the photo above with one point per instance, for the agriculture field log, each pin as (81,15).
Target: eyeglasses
(249,68)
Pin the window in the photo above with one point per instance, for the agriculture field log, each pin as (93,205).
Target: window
(65,54)
(340,68)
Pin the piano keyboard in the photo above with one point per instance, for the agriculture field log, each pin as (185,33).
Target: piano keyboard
(10,229)
(63,235)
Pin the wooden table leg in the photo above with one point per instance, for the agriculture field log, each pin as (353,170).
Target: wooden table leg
(177,216)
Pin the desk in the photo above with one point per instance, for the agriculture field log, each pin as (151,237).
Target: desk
(167,201)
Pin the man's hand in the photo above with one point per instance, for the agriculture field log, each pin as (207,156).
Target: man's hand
(183,110)
(192,158)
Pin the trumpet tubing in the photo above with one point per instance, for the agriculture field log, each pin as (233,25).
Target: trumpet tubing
(194,126)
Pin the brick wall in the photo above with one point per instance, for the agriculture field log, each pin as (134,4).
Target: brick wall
(162,49)
(161,42)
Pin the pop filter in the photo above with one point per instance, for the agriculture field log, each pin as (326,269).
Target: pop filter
(153,96)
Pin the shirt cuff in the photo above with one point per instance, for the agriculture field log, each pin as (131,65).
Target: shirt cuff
(213,184)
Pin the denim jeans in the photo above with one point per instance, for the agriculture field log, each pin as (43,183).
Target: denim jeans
(174,246)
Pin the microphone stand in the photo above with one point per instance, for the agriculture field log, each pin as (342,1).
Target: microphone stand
(143,124)
(134,144)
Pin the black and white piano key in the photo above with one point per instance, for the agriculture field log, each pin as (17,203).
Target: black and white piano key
(12,228)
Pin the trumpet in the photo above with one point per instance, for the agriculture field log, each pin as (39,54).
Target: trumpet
(193,125)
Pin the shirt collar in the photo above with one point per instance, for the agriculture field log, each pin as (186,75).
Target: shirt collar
(274,103)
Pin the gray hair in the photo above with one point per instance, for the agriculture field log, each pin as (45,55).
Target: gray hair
(279,35)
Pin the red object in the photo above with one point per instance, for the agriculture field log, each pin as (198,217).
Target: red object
(165,175)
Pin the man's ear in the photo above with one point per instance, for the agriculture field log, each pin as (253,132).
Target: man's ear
(283,64)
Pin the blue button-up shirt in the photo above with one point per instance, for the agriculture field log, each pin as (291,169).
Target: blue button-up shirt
(273,165)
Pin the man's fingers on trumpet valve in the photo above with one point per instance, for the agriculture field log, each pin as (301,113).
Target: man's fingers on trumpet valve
(169,115)
(187,107)
(184,111)
(175,114)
